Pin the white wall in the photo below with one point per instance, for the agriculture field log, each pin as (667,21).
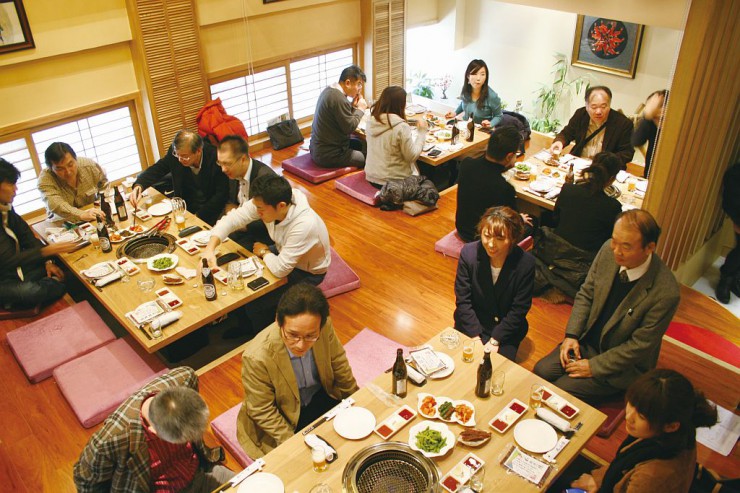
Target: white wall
(517,43)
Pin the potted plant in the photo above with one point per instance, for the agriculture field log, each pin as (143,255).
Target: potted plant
(549,97)
(420,85)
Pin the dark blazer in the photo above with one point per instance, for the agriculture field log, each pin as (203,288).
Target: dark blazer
(487,310)
(29,256)
(480,186)
(214,182)
(616,139)
(630,339)
(258,169)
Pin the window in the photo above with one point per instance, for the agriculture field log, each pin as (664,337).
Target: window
(256,99)
(108,138)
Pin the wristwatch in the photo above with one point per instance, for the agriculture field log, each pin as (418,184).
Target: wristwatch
(493,341)
(50,261)
(264,252)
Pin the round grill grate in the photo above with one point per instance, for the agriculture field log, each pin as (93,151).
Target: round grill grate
(391,467)
(141,248)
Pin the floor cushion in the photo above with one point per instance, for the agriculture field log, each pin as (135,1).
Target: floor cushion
(224,427)
(303,167)
(614,410)
(51,341)
(370,354)
(449,245)
(356,186)
(340,277)
(97,383)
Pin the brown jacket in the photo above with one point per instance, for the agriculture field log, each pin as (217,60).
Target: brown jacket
(657,475)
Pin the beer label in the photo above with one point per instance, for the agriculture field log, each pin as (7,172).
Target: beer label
(400,386)
(210,290)
(104,243)
(487,387)
(205,271)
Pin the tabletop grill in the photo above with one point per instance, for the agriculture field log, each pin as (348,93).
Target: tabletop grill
(141,248)
(391,467)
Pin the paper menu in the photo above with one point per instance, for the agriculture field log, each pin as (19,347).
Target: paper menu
(721,437)
(526,466)
(427,360)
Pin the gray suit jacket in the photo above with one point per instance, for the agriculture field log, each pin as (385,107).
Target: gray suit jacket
(630,340)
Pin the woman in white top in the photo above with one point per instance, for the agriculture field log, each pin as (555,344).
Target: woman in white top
(392,150)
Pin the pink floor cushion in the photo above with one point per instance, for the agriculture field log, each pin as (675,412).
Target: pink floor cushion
(450,245)
(224,427)
(97,383)
(303,167)
(340,278)
(526,244)
(615,412)
(705,341)
(356,186)
(370,354)
(51,341)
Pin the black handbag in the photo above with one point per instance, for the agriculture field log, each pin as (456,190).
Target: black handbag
(284,134)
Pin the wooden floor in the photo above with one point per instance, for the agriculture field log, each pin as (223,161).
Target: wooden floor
(406,295)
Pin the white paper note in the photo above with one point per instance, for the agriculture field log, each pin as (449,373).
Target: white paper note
(721,437)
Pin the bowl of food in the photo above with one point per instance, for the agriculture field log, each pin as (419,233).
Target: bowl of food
(162,262)
(445,409)
(473,437)
(444,134)
(522,171)
(427,405)
(431,438)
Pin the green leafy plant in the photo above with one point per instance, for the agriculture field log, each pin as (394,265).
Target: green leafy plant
(549,96)
(421,85)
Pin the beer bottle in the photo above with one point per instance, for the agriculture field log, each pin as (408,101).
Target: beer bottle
(455,133)
(570,177)
(105,244)
(471,129)
(399,375)
(209,286)
(485,373)
(120,205)
(105,207)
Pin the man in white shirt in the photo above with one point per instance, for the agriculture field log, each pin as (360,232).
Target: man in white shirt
(619,315)
(233,158)
(301,250)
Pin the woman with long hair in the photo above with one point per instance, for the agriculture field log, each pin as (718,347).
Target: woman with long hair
(392,150)
(663,412)
(478,100)
(493,286)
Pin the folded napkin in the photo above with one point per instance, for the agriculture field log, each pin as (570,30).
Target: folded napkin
(165,319)
(622,176)
(185,272)
(315,441)
(553,194)
(641,185)
(107,279)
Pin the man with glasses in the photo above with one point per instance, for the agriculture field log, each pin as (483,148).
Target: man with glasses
(242,170)
(293,372)
(69,183)
(196,177)
(339,109)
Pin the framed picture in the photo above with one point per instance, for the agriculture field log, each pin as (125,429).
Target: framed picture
(15,33)
(607,45)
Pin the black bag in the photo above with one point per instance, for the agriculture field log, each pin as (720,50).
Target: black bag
(284,134)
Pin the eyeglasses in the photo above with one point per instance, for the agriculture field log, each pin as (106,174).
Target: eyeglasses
(183,158)
(295,338)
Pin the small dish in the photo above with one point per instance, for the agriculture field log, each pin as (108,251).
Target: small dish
(390,425)
(427,405)
(173,258)
(508,416)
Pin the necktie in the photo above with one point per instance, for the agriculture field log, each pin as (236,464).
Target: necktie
(10,233)
(623,276)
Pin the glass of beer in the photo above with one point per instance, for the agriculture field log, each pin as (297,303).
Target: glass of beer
(468,350)
(179,207)
(535,396)
(631,184)
(318,456)
(94,240)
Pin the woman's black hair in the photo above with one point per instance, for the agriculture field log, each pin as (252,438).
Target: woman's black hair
(603,169)
(467,90)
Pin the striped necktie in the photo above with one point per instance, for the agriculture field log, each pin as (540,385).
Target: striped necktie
(623,276)
(10,233)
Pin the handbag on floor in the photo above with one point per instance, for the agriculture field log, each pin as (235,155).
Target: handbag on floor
(284,134)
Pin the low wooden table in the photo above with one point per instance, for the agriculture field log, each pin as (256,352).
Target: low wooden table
(291,461)
(121,297)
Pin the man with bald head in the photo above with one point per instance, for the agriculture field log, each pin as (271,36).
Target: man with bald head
(619,315)
(595,128)
(196,177)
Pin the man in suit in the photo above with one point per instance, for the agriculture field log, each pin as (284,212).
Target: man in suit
(619,315)
(293,372)
(242,170)
(195,176)
(595,128)
(481,183)
(154,442)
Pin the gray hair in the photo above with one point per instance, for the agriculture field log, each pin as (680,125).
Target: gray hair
(179,415)
(187,138)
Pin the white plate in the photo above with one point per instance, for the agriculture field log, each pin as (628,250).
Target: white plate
(160,208)
(264,482)
(99,270)
(542,185)
(535,436)
(201,238)
(150,262)
(434,425)
(447,359)
(354,423)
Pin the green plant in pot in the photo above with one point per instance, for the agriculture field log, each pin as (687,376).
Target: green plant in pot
(549,96)
(421,85)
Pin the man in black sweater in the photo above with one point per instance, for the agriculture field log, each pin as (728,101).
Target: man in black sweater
(481,183)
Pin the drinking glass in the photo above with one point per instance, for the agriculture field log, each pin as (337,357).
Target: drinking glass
(146,284)
(321,488)
(179,207)
(450,339)
(476,479)
(95,241)
(235,280)
(468,350)
(631,184)
(318,456)
(497,382)
(535,396)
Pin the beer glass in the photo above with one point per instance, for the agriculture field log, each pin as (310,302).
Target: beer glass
(179,207)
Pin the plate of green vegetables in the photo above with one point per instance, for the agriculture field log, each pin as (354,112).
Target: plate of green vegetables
(162,262)
(431,438)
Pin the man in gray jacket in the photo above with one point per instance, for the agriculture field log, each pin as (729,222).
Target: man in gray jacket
(619,315)
(335,118)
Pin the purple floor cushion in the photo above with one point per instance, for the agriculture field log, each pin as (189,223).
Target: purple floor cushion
(370,354)
(356,186)
(340,278)
(96,383)
(304,167)
(51,341)
(450,245)
(224,427)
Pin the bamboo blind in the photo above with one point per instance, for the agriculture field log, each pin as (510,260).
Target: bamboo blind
(699,139)
(389,44)
(172,64)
